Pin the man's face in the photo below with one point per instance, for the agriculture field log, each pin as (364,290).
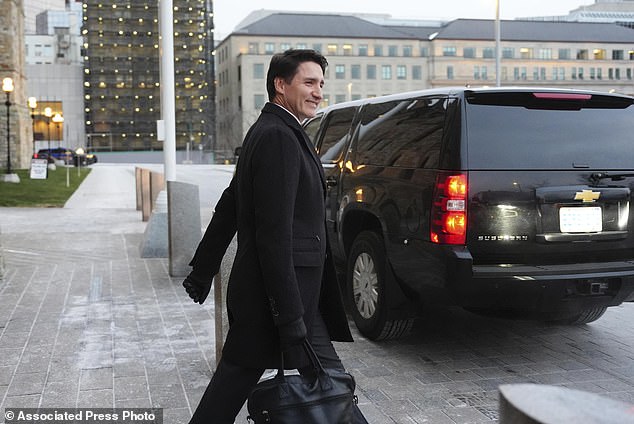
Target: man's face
(302,95)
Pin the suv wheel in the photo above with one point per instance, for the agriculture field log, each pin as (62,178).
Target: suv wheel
(366,289)
(586,316)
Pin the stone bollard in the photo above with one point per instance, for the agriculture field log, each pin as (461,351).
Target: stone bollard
(542,404)
(183,203)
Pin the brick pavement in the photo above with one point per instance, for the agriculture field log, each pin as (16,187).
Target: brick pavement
(86,322)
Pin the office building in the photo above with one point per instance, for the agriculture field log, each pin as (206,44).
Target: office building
(371,56)
(121,74)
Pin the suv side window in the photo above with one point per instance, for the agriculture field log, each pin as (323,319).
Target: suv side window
(404,133)
(311,129)
(335,135)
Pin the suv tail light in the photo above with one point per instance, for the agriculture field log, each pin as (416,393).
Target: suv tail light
(449,209)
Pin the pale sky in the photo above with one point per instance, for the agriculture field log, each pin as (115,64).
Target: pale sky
(228,13)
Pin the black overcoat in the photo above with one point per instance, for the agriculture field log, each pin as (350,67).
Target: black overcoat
(275,201)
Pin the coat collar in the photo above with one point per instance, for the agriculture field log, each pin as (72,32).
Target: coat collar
(292,122)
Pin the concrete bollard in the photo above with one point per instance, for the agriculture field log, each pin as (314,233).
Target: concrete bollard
(183,204)
(542,404)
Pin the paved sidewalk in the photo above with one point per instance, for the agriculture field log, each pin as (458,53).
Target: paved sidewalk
(86,322)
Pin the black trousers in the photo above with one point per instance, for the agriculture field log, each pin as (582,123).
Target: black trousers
(231,384)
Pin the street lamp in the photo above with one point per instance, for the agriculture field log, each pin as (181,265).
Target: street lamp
(7,87)
(58,119)
(32,106)
(48,112)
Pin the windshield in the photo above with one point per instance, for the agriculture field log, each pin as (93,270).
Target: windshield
(551,134)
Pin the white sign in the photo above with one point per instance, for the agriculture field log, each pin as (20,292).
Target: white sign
(39,168)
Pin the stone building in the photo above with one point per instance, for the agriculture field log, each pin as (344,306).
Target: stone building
(371,56)
(12,65)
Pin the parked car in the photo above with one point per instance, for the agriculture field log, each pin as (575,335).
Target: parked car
(491,199)
(67,155)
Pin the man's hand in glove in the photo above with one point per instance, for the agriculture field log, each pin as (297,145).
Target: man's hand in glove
(197,287)
(292,334)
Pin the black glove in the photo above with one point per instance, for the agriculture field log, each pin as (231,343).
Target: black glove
(197,287)
(292,334)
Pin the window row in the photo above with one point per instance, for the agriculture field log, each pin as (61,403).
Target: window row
(334,49)
(369,71)
(556,73)
(541,53)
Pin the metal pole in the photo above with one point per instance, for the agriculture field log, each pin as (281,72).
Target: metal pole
(498,53)
(168,98)
(8,103)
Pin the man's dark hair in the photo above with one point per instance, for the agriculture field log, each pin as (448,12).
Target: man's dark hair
(284,65)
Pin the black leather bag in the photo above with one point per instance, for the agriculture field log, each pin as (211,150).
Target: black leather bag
(327,397)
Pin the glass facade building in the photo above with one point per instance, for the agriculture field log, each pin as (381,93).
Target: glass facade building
(121,74)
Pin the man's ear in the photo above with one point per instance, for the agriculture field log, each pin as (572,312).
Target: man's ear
(279,84)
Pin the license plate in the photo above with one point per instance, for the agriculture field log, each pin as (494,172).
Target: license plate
(580,220)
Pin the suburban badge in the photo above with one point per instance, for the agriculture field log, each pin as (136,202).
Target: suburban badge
(587,196)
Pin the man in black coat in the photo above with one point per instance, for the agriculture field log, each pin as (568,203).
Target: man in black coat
(282,289)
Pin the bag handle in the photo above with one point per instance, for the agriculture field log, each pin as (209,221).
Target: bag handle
(324,378)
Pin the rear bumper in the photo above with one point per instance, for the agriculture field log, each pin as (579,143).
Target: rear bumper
(547,288)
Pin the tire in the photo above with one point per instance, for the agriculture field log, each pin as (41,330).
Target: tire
(586,316)
(366,289)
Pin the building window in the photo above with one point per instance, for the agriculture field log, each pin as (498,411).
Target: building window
(508,53)
(580,73)
(317,47)
(516,73)
(301,46)
(617,55)
(545,54)
(363,49)
(469,52)
(450,72)
(476,72)
(488,53)
(269,48)
(355,71)
(542,73)
(332,49)
(628,73)
(285,46)
(417,72)
(611,73)
(392,51)
(371,72)
(599,73)
(258,70)
(258,101)
(599,54)
(564,54)
(254,48)
(424,52)
(449,51)
(340,98)
(505,73)
(573,74)
(340,71)
(582,54)
(592,73)
(378,50)
(407,51)
(401,72)
(483,73)
(386,72)
(347,49)
(526,53)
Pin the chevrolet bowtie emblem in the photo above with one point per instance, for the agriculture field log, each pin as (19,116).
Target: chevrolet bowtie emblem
(587,196)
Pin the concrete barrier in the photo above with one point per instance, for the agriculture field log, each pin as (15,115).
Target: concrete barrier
(183,204)
(543,404)
(148,186)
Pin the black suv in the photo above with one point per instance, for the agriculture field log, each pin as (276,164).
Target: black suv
(491,199)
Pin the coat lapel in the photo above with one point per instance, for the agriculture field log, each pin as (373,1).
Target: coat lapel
(300,135)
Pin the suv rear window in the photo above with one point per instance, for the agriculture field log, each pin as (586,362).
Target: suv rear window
(528,131)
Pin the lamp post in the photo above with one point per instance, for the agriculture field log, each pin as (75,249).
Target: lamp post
(58,119)
(7,87)
(32,106)
(48,112)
